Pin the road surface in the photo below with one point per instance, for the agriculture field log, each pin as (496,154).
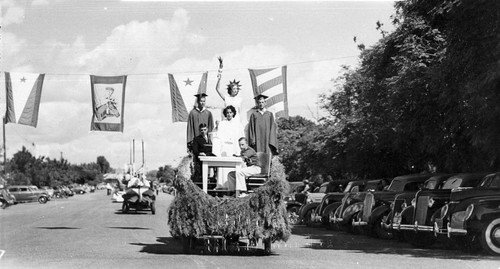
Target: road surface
(89,231)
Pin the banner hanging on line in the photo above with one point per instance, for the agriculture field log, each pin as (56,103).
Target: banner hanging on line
(183,88)
(23,91)
(108,102)
(271,82)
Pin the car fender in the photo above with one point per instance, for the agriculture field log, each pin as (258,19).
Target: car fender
(307,207)
(377,212)
(407,215)
(351,210)
(330,208)
(291,203)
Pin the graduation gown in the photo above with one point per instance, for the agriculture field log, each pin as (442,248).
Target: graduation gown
(195,118)
(262,132)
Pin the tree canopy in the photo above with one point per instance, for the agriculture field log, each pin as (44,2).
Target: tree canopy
(423,98)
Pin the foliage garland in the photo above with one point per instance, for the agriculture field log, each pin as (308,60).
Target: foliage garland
(261,214)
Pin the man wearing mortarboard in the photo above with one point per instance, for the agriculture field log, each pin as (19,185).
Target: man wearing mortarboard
(198,115)
(262,128)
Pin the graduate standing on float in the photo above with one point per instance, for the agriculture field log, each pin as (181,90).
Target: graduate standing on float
(198,115)
(262,128)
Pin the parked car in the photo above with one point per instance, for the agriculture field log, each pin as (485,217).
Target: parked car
(312,200)
(25,193)
(79,190)
(472,217)
(48,190)
(367,215)
(415,220)
(333,200)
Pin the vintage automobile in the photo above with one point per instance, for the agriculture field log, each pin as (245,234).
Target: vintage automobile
(367,216)
(414,222)
(472,217)
(24,193)
(333,200)
(49,190)
(311,201)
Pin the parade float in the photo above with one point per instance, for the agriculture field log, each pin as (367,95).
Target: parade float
(225,224)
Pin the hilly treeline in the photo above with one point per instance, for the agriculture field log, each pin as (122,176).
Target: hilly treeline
(426,97)
(26,169)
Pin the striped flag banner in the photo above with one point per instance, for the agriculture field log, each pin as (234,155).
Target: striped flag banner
(183,88)
(108,102)
(272,83)
(23,92)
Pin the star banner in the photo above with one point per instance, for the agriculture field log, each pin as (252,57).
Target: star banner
(183,89)
(108,103)
(23,92)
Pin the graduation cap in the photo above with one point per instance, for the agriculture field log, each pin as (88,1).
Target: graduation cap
(259,96)
(199,95)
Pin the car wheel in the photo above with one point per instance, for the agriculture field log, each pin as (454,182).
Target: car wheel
(293,216)
(153,208)
(490,237)
(125,207)
(42,199)
(379,230)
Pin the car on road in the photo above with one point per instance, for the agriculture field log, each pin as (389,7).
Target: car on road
(25,193)
(472,217)
(366,216)
(79,190)
(415,223)
(331,201)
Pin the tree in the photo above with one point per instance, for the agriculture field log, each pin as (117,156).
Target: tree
(103,164)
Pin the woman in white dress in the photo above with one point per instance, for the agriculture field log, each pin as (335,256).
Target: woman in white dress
(229,131)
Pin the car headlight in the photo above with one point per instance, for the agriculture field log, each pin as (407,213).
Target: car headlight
(326,201)
(414,202)
(469,211)
(444,211)
(308,200)
(348,201)
(431,202)
(404,205)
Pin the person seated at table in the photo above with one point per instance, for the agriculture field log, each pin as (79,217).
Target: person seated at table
(202,146)
(236,181)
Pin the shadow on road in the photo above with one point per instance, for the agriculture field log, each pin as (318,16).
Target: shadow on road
(171,246)
(58,228)
(321,238)
(132,212)
(129,228)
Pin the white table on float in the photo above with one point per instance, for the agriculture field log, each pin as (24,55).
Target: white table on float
(212,161)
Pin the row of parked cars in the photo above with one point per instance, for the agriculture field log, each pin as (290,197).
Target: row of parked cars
(28,193)
(460,210)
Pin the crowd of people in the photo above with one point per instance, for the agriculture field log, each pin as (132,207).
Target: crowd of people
(228,137)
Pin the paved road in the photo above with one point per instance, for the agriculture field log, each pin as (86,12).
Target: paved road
(89,231)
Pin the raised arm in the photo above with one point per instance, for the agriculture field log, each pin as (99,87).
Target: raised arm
(219,75)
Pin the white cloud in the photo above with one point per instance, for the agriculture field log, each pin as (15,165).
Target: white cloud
(14,14)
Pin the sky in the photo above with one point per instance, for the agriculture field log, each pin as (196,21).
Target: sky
(69,40)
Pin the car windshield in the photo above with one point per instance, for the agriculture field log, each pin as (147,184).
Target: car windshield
(396,185)
(348,187)
(452,183)
(430,184)
(491,181)
(374,186)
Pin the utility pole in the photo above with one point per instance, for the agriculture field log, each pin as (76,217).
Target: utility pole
(4,149)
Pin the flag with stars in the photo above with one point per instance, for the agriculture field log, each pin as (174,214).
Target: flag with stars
(23,92)
(183,88)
